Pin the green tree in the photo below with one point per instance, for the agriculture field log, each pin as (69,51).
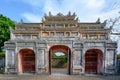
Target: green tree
(54,56)
(5,25)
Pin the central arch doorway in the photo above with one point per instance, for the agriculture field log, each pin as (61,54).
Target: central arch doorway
(26,61)
(93,61)
(57,49)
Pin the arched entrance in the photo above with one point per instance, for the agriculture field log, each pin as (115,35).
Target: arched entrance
(93,61)
(63,49)
(26,61)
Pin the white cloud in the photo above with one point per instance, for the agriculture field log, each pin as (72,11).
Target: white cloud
(86,10)
(32,17)
(34,3)
(94,3)
(108,15)
(51,5)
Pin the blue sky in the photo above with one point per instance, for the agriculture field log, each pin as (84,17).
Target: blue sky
(33,10)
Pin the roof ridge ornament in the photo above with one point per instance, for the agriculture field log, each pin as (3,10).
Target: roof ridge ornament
(77,18)
(105,22)
(98,21)
(21,21)
(45,14)
(50,13)
(69,13)
(74,14)
(59,14)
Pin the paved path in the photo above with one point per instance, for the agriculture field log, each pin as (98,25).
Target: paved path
(57,77)
(61,71)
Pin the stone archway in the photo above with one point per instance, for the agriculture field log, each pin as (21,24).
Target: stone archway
(93,61)
(64,49)
(26,61)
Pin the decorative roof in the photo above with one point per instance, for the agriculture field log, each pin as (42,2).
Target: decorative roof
(59,16)
(59,22)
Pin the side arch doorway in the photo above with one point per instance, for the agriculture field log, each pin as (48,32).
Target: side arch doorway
(26,61)
(62,51)
(93,61)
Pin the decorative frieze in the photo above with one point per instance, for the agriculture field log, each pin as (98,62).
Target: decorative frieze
(42,45)
(25,44)
(10,44)
(98,44)
(75,44)
(111,45)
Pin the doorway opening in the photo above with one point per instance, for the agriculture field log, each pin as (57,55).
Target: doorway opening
(59,59)
(93,61)
(59,63)
(26,61)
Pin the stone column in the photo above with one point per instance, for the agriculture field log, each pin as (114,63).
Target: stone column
(110,61)
(68,25)
(10,61)
(104,61)
(77,61)
(83,59)
(6,61)
(87,36)
(40,61)
(64,25)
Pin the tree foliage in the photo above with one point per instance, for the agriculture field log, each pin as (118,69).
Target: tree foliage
(5,25)
(61,56)
(2,54)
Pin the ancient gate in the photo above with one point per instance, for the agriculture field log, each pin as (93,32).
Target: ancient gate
(64,49)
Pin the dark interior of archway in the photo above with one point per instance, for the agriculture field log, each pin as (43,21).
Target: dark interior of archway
(28,60)
(91,61)
(62,67)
